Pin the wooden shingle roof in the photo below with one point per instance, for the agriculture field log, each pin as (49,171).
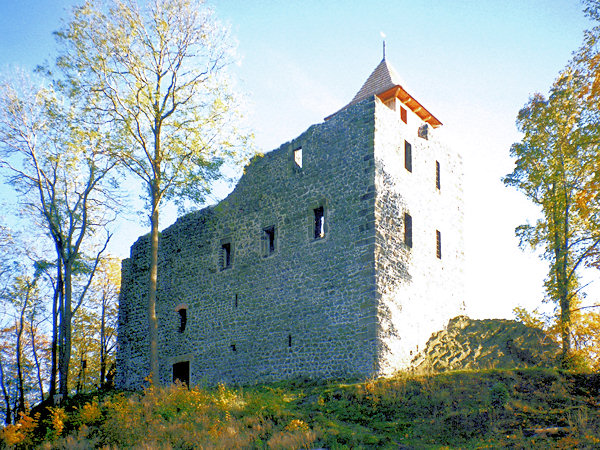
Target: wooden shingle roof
(385,83)
(381,79)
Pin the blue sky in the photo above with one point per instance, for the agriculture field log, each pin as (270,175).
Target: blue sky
(471,63)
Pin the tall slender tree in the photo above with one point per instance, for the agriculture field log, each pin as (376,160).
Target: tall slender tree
(157,72)
(59,165)
(555,162)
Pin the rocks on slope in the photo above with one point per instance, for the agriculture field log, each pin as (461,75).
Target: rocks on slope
(484,344)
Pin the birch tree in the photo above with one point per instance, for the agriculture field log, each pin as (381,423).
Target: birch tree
(157,72)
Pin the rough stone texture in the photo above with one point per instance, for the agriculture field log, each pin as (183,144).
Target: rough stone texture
(486,344)
(417,292)
(353,303)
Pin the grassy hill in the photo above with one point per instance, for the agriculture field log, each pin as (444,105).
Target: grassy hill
(518,408)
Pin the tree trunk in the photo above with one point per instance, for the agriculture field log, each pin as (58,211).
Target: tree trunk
(103,342)
(55,311)
(565,298)
(152,320)
(8,415)
(37,361)
(65,325)
(19,357)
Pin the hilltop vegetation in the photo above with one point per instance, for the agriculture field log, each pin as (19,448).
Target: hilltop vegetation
(484,409)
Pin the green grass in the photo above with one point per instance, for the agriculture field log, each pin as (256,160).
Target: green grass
(466,409)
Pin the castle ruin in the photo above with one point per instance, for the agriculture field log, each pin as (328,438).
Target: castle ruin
(337,254)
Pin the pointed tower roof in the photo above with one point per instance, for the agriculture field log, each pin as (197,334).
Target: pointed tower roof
(385,83)
(384,77)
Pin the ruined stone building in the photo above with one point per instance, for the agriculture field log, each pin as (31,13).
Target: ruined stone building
(337,254)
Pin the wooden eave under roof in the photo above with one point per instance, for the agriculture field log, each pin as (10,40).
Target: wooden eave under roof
(385,83)
(400,93)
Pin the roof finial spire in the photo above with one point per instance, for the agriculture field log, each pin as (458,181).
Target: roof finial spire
(382,34)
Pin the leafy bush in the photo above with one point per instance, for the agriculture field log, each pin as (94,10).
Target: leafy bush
(499,395)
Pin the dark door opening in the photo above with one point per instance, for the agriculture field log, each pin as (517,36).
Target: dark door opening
(181,372)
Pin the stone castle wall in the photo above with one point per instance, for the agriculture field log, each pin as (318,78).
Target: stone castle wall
(356,301)
(307,308)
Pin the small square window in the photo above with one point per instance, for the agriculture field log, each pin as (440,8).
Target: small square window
(319,222)
(298,157)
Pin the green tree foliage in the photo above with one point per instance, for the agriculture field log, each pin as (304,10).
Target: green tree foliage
(555,164)
(95,329)
(585,333)
(24,347)
(59,165)
(156,71)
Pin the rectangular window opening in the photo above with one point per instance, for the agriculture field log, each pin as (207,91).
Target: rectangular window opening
(438,238)
(226,256)
(319,222)
(233,349)
(289,340)
(235,302)
(437,175)
(408,230)
(403,115)
(268,240)
(298,157)
(408,156)
(181,372)
(182,319)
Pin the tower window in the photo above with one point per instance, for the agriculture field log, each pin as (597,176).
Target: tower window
(182,319)
(403,115)
(408,156)
(181,310)
(233,349)
(408,230)
(268,241)
(298,157)
(437,175)
(289,340)
(319,222)
(235,301)
(438,238)
(181,372)
(225,256)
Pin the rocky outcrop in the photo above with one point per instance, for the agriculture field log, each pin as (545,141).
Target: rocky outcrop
(485,344)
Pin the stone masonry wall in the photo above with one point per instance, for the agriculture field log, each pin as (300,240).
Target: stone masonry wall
(298,306)
(417,292)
